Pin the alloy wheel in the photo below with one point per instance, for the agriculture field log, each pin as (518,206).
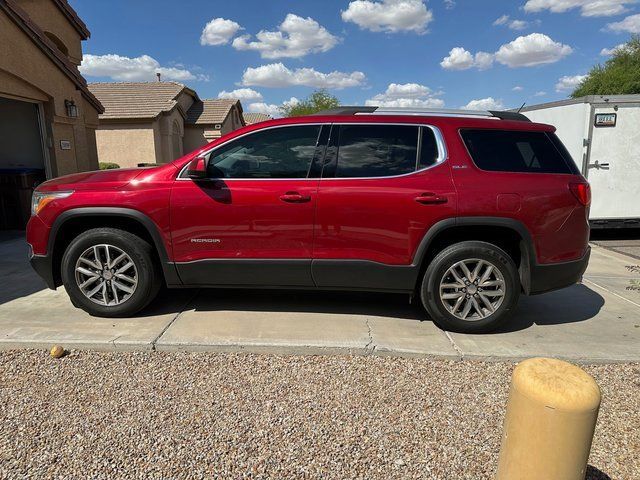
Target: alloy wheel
(106,275)
(472,289)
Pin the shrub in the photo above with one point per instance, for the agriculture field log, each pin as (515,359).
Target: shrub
(108,165)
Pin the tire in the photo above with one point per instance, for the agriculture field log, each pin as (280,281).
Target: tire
(130,288)
(440,290)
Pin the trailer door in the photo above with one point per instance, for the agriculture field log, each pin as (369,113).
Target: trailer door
(614,162)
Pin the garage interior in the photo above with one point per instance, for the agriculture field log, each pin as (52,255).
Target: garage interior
(22,160)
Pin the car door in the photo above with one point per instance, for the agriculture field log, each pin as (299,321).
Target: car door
(383,186)
(250,222)
(614,162)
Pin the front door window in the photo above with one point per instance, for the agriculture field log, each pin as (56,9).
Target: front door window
(269,154)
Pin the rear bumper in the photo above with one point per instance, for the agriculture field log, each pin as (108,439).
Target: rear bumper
(42,265)
(545,278)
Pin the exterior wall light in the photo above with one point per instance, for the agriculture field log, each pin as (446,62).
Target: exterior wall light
(72,109)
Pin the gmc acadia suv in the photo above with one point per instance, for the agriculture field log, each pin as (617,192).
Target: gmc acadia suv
(464,210)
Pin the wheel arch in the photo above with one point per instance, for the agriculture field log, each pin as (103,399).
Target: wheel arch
(77,220)
(507,233)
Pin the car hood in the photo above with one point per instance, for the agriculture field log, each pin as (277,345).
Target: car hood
(102,179)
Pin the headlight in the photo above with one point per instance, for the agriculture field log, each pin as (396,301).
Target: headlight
(40,199)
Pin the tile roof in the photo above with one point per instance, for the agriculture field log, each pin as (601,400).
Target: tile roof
(73,18)
(211,111)
(124,100)
(250,118)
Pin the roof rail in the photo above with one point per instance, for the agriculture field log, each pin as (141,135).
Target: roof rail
(437,112)
(347,111)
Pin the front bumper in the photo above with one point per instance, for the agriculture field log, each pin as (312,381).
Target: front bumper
(42,264)
(546,278)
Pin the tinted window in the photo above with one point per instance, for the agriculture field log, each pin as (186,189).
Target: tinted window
(564,152)
(515,151)
(428,148)
(275,153)
(376,150)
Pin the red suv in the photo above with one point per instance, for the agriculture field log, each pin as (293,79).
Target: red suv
(464,210)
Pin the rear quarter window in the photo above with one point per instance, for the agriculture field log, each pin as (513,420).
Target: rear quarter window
(517,151)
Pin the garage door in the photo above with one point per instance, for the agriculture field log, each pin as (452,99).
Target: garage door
(21,160)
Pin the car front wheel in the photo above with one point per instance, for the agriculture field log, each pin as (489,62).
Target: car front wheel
(471,287)
(110,272)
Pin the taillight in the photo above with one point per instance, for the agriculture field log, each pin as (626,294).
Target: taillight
(582,191)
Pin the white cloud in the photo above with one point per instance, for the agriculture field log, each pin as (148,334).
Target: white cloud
(242,94)
(389,15)
(488,103)
(531,50)
(517,88)
(261,107)
(605,52)
(512,24)
(631,24)
(483,60)
(271,108)
(461,59)
(569,82)
(219,31)
(138,69)
(518,25)
(295,38)
(407,95)
(449,4)
(501,20)
(277,75)
(540,94)
(588,8)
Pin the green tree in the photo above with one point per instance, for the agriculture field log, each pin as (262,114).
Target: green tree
(316,102)
(619,75)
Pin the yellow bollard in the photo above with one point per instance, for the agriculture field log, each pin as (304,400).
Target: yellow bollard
(550,421)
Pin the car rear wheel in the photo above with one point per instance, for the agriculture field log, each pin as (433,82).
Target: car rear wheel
(110,273)
(471,287)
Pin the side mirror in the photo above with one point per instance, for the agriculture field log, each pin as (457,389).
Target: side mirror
(197,168)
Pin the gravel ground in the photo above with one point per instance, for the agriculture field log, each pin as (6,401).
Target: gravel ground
(199,415)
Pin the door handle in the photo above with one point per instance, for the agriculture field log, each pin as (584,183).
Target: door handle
(597,165)
(429,198)
(295,197)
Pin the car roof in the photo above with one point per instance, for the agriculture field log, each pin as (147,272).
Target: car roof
(442,119)
(439,118)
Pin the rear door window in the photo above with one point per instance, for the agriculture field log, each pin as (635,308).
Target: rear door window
(517,151)
(377,150)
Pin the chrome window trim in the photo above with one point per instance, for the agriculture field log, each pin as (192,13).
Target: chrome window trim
(443,154)
(212,149)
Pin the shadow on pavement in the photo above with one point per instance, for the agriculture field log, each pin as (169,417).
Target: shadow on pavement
(574,304)
(594,474)
(18,278)
(569,305)
(360,303)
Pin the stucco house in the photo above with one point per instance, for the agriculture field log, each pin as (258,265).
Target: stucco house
(157,122)
(210,119)
(48,116)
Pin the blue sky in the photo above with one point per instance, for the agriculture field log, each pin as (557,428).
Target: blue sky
(474,53)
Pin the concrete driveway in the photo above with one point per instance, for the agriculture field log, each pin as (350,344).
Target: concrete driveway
(597,321)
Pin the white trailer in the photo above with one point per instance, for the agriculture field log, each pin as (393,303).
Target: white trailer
(602,133)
